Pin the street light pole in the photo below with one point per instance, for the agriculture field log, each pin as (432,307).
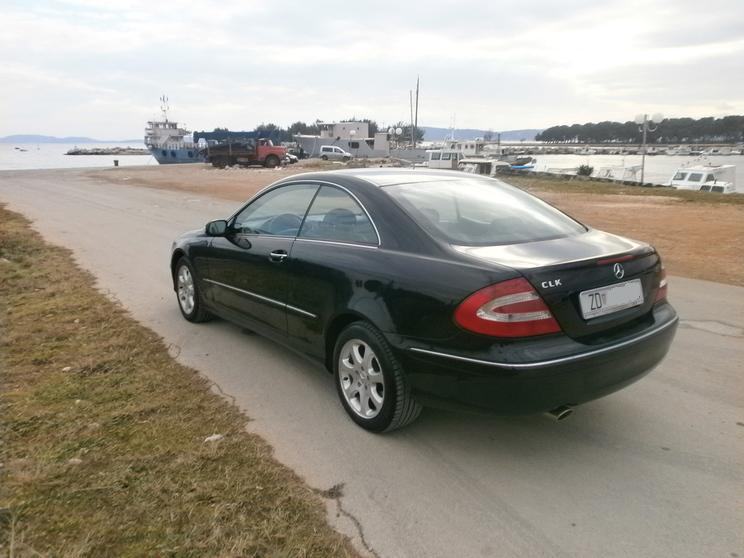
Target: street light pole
(643,159)
(644,126)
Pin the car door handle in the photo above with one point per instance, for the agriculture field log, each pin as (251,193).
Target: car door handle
(278,256)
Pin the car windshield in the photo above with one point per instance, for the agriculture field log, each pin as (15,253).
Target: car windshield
(472,211)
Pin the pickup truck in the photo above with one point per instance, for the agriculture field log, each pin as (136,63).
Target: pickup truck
(245,153)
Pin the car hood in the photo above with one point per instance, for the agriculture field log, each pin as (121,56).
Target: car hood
(529,255)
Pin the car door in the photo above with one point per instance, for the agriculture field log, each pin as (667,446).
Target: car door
(337,245)
(248,267)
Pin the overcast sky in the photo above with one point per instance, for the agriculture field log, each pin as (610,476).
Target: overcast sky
(97,68)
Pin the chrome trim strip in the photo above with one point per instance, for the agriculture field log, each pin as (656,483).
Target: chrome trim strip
(300,311)
(543,363)
(263,298)
(249,293)
(336,242)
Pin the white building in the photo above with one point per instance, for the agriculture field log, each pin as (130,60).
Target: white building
(344,130)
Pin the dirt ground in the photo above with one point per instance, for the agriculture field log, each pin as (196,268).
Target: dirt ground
(696,238)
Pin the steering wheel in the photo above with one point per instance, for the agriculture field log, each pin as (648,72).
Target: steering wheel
(284,224)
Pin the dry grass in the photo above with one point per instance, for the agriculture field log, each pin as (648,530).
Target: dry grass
(699,234)
(102,434)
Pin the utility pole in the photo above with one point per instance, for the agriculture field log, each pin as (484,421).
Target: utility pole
(410,95)
(415,119)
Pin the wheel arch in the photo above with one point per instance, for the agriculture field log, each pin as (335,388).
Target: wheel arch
(334,329)
(178,253)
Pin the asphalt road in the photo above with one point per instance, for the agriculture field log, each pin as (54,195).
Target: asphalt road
(654,470)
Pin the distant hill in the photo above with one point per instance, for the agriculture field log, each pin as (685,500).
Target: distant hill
(33,138)
(439,134)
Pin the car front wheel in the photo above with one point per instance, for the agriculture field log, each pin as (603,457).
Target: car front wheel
(370,381)
(187,290)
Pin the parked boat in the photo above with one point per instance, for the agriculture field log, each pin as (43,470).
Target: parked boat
(717,151)
(524,163)
(168,142)
(443,159)
(620,172)
(565,171)
(719,179)
(482,166)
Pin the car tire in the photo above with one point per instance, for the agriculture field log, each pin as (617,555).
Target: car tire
(324,157)
(187,292)
(272,161)
(376,395)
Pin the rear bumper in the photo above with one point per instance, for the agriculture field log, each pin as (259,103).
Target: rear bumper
(539,374)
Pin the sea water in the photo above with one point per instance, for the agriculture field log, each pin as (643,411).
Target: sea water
(52,156)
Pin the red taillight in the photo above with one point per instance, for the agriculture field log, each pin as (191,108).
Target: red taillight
(508,309)
(661,294)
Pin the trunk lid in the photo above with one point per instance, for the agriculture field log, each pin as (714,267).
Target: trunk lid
(561,269)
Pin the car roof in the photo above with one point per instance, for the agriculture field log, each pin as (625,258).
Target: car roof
(387,176)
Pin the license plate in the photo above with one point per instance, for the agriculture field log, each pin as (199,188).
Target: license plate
(605,300)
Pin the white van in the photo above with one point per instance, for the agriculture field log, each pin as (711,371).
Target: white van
(334,153)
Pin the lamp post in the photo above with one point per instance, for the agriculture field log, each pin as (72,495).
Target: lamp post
(352,133)
(644,125)
(396,133)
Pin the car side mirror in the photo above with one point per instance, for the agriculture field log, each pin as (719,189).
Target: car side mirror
(216,228)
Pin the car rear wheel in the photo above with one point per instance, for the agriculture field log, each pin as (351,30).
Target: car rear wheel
(324,157)
(187,290)
(370,381)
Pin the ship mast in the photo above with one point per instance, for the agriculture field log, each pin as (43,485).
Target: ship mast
(164,107)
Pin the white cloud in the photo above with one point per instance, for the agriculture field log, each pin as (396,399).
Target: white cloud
(94,68)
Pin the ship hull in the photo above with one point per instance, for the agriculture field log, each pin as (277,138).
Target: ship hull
(177,155)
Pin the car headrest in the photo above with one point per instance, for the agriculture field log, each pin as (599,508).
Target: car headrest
(339,216)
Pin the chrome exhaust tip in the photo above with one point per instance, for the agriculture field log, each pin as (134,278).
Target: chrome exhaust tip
(560,413)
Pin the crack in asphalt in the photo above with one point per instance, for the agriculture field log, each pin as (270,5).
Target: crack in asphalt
(716,327)
(336,492)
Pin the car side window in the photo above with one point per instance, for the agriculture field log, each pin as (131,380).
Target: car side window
(335,215)
(277,212)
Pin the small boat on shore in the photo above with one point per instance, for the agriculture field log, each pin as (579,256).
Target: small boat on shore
(622,173)
(718,179)
(524,163)
(563,171)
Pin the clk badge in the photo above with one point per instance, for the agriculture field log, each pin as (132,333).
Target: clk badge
(618,270)
(550,284)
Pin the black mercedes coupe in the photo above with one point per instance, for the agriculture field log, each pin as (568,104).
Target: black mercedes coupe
(418,288)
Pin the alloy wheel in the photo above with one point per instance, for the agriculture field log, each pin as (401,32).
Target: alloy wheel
(186,291)
(361,378)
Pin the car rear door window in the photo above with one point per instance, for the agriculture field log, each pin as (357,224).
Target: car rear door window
(334,215)
(277,212)
(481,211)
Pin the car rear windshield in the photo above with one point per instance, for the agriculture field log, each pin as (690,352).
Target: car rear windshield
(471,211)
